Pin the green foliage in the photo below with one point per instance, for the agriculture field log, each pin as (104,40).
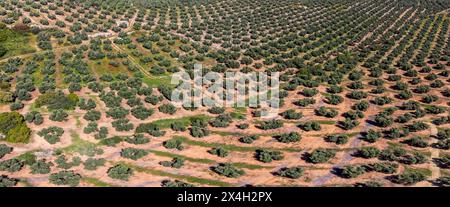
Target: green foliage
(242,126)
(323,111)
(13,126)
(216,110)
(90,128)
(248,139)
(58,115)
(219,151)
(120,172)
(16,106)
(57,100)
(372,136)
(337,138)
(4,149)
(173,144)
(175,183)
(223,120)
(382,167)
(444,161)
(112,141)
(443,181)
(64,177)
(6,181)
(409,177)
(178,126)
(88,104)
(133,153)
(150,128)
(291,114)
(228,170)
(416,141)
(304,102)
(368,152)
(321,155)
(11,165)
(141,112)
(137,139)
(122,125)
(351,171)
(268,156)
(270,124)
(92,115)
(34,117)
(289,137)
(199,131)
(176,162)
(167,109)
(292,172)
(369,184)
(51,134)
(41,167)
(28,158)
(93,164)
(117,112)
(63,163)
(310,125)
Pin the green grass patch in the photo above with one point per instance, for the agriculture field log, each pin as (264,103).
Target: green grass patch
(424,171)
(96,182)
(155,81)
(186,121)
(14,43)
(81,146)
(225,134)
(204,161)
(230,147)
(187,178)
(326,122)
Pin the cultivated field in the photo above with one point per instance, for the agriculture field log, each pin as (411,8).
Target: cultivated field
(85,89)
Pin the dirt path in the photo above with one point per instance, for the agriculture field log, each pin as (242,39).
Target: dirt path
(345,159)
(38,52)
(435,170)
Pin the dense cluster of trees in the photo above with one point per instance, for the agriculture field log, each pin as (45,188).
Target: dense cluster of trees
(57,100)
(14,127)
(319,54)
(64,177)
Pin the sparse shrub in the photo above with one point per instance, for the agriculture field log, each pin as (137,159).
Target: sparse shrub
(120,172)
(173,144)
(228,170)
(268,156)
(320,155)
(293,172)
(337,138)
(133,153)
